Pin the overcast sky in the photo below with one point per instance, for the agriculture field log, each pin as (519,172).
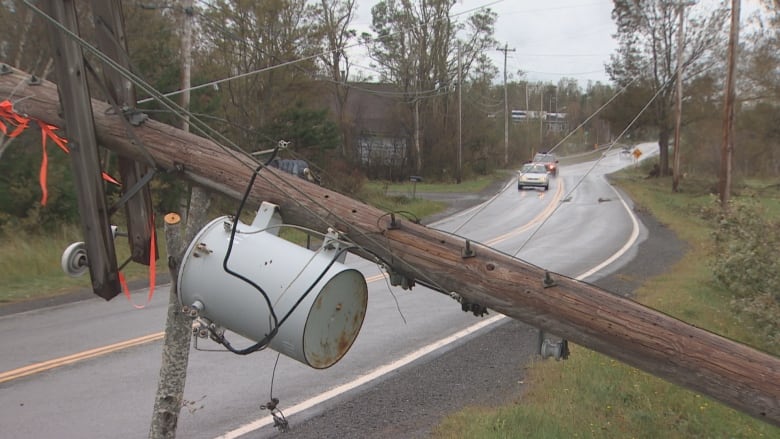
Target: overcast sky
(552,39)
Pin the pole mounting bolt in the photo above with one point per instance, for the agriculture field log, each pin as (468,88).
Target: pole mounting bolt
(548,280)
(467,252)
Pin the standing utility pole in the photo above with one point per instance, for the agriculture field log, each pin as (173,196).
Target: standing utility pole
(169,397)
(110,35)
(678,104)
(541,116)
(186,57)
(505,49)
(460,119)
(727,148)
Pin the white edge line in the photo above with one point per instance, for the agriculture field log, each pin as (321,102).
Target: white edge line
(631,240)
(389,367)
(374,374)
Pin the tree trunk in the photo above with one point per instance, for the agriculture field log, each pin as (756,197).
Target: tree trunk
(178,326)
(176,345)
(663,148)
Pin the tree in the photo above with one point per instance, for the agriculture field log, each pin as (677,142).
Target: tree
(415,48)
(24,45)
(335,19)
(270,48)
(646,58)
(758,133)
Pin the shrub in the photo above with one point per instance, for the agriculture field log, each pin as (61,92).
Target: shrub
(745,262)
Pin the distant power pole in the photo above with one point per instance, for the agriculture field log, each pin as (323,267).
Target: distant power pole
(727,148)
(460,119)
(186,56)
(678,104)
(505,49)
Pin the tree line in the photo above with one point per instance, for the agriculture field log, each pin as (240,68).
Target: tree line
(280,70)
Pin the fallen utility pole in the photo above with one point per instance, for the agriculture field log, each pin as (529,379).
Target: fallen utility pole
(735,374)
(85,159)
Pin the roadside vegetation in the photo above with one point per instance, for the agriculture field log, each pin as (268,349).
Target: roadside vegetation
(726,283)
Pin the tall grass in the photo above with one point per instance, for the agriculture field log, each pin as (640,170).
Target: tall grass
(30,264)
(592,396)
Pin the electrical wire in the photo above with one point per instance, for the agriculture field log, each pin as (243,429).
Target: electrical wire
(267,339)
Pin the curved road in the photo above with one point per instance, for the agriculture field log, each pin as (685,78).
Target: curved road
(89,369)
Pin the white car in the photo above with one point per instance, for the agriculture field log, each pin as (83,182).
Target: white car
(533,175)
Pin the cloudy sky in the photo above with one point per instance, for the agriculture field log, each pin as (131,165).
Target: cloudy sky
(552,38)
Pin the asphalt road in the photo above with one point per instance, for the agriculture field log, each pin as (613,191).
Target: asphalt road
(574,227)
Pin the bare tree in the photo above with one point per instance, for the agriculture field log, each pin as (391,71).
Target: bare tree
(336,18)
(414,45)
(646,33)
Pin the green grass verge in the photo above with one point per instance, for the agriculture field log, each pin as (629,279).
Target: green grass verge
(591,395)
(30,266)
(407,188)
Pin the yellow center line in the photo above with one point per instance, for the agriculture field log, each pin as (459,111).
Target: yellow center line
(537,219)
(70,359)
(92,353)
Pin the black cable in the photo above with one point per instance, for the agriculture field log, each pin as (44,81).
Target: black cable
(267,339)
(313,284)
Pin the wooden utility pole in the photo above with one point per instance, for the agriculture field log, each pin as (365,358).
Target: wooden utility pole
(178,326)
(460,120)
(735,374)
(110,35)
(506,49)
(678,102)
(85,160)
(727,147)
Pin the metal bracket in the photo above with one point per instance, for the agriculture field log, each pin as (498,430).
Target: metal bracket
(332,243)
(134,116)
(558,350)
(548,280)
(467,252)
(132,191)
(397,279)
(472,307)
(394,225)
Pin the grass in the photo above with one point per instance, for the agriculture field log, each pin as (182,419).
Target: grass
(467,186)
(30,267)
(591,395)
